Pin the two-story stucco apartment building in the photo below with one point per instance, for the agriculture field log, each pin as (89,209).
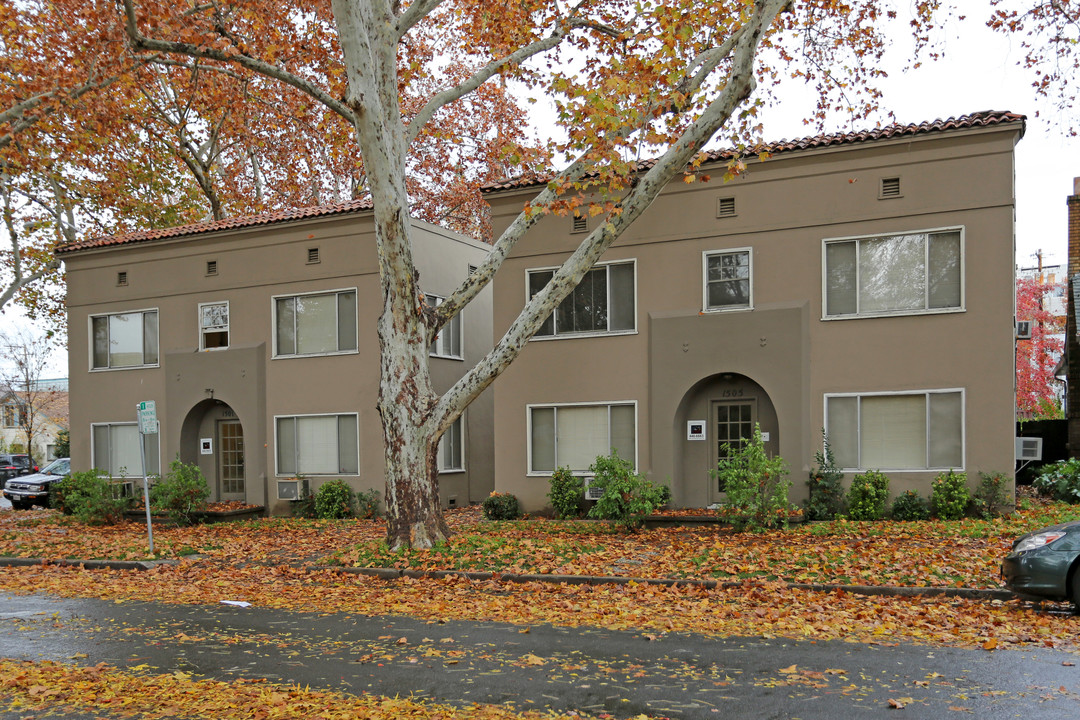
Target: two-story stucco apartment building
(860,284)
(255,338)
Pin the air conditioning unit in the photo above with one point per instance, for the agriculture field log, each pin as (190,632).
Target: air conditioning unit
(1029,448)
(592,492)
(1023,329)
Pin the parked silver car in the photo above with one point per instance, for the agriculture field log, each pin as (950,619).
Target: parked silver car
(29,490)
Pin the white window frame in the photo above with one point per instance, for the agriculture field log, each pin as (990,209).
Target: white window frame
(460,422)
(926,310)
(274,329)
(135,472)
(925,394)
(567,336)
(298,473)
(90,337)
(705,255)
(603,403)
(455,326)
(227,330)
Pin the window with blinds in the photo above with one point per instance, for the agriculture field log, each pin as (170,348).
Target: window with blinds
(317,445)
(574,435)
(315,323)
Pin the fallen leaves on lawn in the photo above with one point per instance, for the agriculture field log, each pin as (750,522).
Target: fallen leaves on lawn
(766,609)
(48,686)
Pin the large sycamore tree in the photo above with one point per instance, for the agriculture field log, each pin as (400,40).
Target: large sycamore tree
(638,86)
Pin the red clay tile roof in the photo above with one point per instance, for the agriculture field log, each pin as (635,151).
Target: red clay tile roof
(226,224)
(979,119)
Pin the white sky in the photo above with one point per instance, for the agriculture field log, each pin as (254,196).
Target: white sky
(979,72)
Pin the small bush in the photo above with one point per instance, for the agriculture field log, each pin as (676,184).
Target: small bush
(628,498)
(756,486)
(950,495)
(867,496)
(826,487)
(1060,480)
(501,506)
(335,500)
(367,504)
(91,497)
(990,499)
(181,494)
(566,492)
(910,505)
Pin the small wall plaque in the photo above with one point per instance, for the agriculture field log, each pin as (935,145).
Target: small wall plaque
(695,429)
(206,446)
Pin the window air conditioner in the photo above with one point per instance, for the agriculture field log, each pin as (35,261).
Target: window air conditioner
(1029,448)
(1023,329)
(591,492)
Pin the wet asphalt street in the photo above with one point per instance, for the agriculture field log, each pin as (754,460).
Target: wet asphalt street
(594,670)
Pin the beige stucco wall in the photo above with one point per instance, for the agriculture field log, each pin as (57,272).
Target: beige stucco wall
(193,389)
(786,207)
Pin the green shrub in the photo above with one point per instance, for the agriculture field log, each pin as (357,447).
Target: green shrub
(1060,480)
(867,496)
(910,506)
(335,500)
(756,486)
(91,497)
(501,506)
(950,495)
(991,498)
(566,492)
(826,486)
(628,498)
(181,494)
(367,504)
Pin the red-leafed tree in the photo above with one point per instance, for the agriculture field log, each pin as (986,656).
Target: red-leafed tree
(1036,387)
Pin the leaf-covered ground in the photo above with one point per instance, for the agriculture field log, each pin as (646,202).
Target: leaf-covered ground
(964,553)
(269,563)
(29,687)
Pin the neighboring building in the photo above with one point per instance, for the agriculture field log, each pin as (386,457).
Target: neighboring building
(1049,275)
(859,283)
(50,417)
(256,338)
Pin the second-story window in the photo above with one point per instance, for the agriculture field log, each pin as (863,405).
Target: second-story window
(603,302)
(315,323)
(124,340)
(728,280)
(214,326)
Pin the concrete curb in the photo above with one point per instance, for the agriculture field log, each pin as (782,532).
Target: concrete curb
(397,574)
(882,590)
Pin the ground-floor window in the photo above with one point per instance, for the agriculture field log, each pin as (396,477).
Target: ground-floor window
(574,435)
(318,445)
(116,450)
(921,430)
(452,449)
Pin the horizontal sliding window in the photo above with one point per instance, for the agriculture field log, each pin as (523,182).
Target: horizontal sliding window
(894,274)
(574,435)
(603,302)
(124,340)
(903,431)
(116,450)
(315,324)
(318,445)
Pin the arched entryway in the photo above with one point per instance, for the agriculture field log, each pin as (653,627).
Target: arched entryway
(213,438)
(718,414)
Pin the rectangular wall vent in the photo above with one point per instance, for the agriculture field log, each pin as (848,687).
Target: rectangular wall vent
(121,277)
(890,187)
(725,207)
(580,224)
(211,267)
(313,255)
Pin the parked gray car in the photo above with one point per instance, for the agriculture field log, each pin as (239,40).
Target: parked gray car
(29,490)
(1045,564)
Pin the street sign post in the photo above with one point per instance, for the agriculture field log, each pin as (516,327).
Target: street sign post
(146,412)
